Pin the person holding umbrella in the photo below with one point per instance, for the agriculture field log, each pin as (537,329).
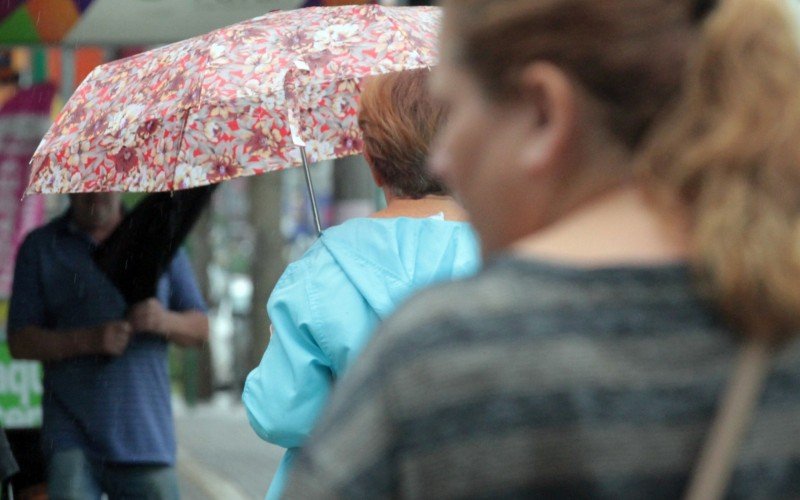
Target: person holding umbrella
(633,170)
(107,418)
(325,305)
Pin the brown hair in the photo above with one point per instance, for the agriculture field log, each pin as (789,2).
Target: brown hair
(706,95)
(399,120)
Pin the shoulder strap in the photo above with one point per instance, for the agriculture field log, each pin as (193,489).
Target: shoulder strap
(714,469)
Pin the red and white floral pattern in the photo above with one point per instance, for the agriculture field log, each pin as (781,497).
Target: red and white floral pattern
(225,104)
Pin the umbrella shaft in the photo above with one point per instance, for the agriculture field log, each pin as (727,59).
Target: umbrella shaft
(311,194)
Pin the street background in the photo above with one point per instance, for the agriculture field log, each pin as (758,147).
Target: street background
(239,248)
(219,456)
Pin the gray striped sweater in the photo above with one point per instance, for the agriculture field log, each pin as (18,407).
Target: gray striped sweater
(538,381)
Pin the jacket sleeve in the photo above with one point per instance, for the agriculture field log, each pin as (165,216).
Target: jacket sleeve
(285,394)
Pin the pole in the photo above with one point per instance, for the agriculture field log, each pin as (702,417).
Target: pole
(311,194)
(67,72)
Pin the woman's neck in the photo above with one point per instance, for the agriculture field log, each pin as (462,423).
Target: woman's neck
(620,227)
(420,208)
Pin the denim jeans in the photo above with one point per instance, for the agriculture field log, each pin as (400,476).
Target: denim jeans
(72,475)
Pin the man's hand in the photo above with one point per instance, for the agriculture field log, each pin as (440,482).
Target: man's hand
(149,316)
(185,328)
(113,337)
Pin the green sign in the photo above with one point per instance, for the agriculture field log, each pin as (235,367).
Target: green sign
(20,385)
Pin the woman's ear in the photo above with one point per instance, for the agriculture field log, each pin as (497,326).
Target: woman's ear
(376,176)
(549,97)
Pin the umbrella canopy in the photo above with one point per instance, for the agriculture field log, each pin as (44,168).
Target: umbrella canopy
(238,101)
(333,3)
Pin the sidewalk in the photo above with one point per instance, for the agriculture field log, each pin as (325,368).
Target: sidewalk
(219,456)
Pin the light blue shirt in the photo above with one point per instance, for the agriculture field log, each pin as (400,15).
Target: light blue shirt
(327,304)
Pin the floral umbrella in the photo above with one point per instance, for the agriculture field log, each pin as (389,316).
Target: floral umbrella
(243,100)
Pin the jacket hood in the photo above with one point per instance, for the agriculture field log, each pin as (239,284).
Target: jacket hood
(387,259)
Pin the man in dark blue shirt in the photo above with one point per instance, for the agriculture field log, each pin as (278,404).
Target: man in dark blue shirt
(107,423)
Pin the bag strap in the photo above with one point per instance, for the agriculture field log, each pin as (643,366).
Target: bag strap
(713,471)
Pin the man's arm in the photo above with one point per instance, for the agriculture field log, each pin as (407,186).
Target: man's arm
(185,328)
(27,336)
(183,320)
(32,342)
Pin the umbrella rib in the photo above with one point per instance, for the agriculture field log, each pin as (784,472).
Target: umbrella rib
(179,144)
(208,38)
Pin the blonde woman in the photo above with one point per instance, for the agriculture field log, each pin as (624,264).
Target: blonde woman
(326,305)
(632,168)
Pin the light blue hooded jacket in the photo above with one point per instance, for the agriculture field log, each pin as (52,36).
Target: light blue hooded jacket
(325,307)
